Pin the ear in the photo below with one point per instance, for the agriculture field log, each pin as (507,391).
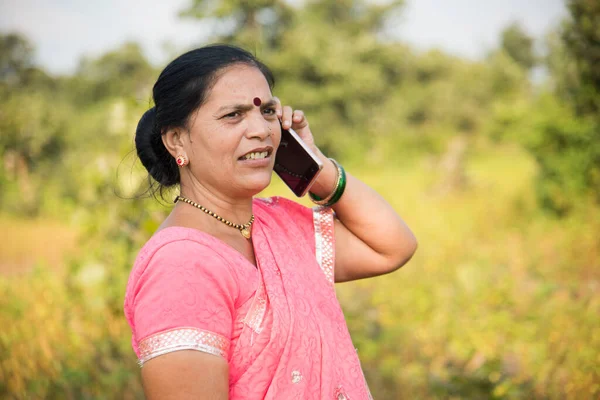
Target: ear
(174,141)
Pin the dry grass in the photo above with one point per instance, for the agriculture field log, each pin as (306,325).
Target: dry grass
(25,243)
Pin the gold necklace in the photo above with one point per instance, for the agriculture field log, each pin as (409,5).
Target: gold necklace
(245,230)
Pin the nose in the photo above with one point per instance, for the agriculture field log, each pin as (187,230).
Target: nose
(258,127)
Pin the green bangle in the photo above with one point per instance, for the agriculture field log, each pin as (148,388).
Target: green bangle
(339,190)
(336,194)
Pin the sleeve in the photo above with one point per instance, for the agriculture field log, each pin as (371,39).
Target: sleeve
(317,224)
(184,300)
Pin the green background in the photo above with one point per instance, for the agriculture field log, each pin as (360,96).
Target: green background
(497,174)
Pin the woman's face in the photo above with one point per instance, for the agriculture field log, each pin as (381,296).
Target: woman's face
(234,134)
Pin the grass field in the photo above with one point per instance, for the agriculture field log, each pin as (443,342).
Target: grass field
(25,243)
(500,301)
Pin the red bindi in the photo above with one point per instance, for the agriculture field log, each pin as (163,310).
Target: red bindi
(257,101)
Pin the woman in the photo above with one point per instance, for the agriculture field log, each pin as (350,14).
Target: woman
(233,296)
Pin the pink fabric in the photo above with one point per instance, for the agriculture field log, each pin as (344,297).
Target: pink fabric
(279,326)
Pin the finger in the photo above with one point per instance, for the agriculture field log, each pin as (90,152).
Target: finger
(286,119)
(278,108)
(299,119)
(297,116)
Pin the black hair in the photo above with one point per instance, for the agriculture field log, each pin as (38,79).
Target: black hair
(181,89)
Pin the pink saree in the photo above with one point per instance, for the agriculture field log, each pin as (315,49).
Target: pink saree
(279,326)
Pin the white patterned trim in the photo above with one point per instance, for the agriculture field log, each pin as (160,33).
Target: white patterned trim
(256,314)
(325,241)
(182,339)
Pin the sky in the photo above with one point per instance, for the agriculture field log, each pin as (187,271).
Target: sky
(63,31)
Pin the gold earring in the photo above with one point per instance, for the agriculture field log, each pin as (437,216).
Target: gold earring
(182,160)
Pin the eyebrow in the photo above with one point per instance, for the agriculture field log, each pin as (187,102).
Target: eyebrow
(246,107)
(268,104)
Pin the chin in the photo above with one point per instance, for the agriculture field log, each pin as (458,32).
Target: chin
(255,185)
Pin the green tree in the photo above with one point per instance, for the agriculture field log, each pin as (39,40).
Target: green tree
(567,139)
(123,72)
(16,58)
(252,24)
(518,45)
(581,37)
(32,121)
(17,68)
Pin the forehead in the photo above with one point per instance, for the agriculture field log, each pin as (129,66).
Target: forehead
(239,84)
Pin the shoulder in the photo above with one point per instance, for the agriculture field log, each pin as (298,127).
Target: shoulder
(174,255)
(181,282)
(176,245)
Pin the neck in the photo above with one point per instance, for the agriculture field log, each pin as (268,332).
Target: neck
(236,210)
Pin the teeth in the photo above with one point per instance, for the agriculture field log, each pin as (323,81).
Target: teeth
(254,156)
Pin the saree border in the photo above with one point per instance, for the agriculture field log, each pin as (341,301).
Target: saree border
(258,308)
(182,339)
(325,241)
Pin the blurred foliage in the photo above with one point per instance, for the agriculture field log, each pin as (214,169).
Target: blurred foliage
(567,144)
(98,79)
(518,45)
(581,36)
(16,63)
(501,300)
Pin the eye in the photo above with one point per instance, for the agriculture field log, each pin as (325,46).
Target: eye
(269,111)
(231,115)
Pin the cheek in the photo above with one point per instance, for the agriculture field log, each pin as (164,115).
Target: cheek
(216,144)
(276,135)
(223,151)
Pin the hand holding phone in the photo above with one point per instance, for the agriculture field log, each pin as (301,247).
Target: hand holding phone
(295,163)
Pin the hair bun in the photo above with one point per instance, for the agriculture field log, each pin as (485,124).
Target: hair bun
(152,152)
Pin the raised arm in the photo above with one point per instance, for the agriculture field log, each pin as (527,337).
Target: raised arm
(371,238)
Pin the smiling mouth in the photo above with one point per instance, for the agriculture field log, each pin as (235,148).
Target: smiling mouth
(256,155)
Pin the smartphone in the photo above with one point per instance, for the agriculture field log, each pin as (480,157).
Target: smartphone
(296,164)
